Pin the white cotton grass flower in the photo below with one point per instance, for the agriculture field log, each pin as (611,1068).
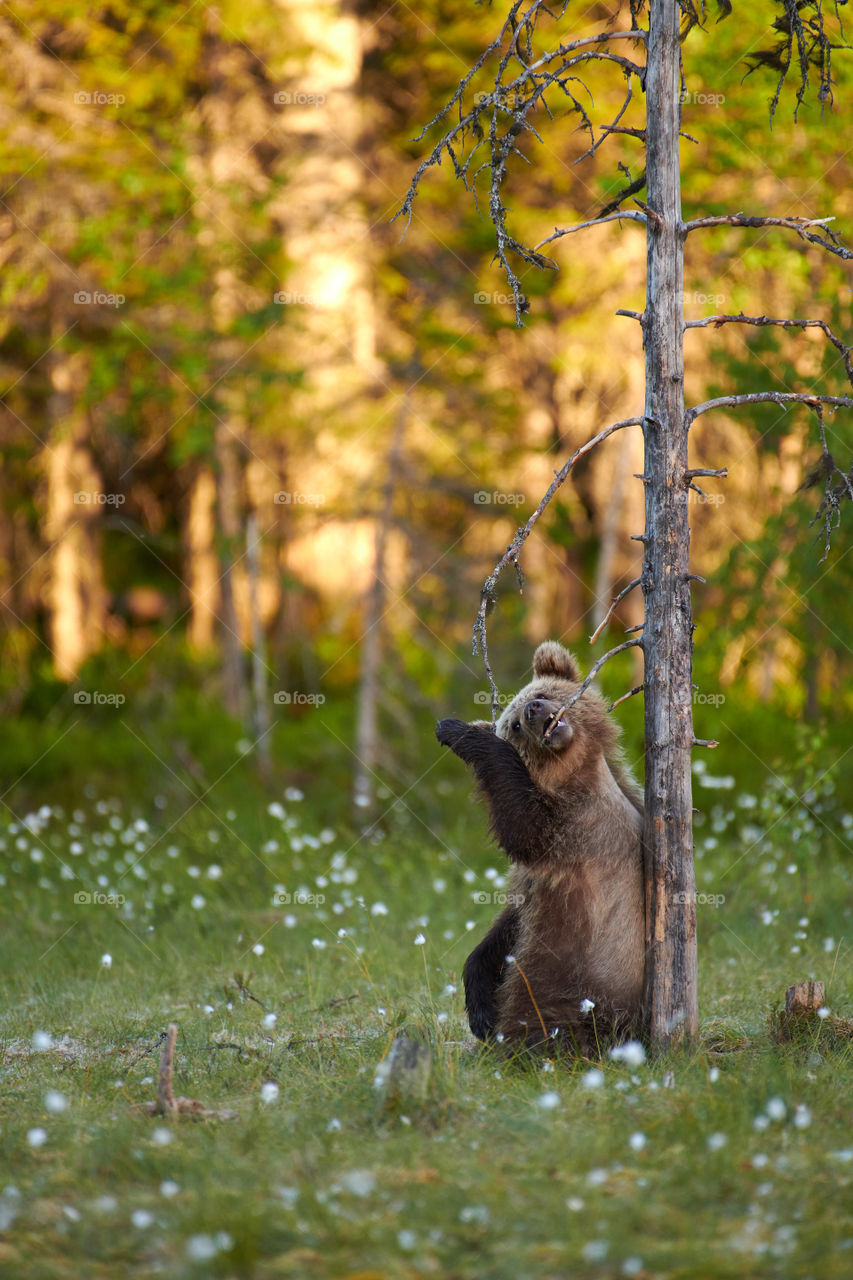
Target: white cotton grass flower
(37,1137)
(802,1116)
(379,909)
(55,1102)
(594,1251)
(42,1040)
(259,948)
(419,940)
(713,1075)
(637,1141)
(631,1052)
(107,960)
(203,1247)
(587,1006)
(269,1091)
(197,901)
(334,1125)
(574,1204)
(592,1079)
(169,1188)
(270,1019)
(776,1109)
(716,1141)
(632,1266)
(548,1100)
(161,1137)
(359,1182)
(823,1012)
(142,1218)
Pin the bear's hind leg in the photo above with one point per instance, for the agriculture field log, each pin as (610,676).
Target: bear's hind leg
(484,971)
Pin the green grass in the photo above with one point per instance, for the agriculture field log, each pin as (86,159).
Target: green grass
(484,1179)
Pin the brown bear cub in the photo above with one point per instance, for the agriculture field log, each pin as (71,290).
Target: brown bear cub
(565,809)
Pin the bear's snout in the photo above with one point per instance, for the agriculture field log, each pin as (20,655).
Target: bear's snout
(534,711)
(547,720)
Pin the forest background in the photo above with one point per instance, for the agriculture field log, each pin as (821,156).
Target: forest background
(259,452)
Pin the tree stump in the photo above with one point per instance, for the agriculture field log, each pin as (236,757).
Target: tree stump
(404,1074)
(804,997)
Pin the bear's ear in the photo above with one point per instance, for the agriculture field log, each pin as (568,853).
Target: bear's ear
(551,659)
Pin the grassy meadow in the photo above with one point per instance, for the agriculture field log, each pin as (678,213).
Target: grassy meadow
(290,949)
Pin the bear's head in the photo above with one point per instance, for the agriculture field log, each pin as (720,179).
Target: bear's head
(554,741)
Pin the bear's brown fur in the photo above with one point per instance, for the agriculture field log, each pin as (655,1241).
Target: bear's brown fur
(567,812)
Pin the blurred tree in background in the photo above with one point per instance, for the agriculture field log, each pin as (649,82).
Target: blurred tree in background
(243,425)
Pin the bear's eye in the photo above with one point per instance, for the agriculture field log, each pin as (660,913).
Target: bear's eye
(516,728)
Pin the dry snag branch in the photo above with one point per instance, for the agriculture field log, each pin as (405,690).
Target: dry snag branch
(532,79)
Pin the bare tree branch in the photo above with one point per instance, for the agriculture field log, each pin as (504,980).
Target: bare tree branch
(638,688)
(510,556)
(621,596)
(594,222)
(830,242)
(782,398)
(717,321)
(829,510)
(608,129)
(631,190)
(593,672)
(507,109)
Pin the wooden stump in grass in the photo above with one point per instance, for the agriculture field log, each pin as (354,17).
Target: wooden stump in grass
(802,1002)
(404,1074)
(167,1104)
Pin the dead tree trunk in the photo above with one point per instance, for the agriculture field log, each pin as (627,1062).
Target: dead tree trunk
(671,976)
(235,694)
(366,734)
(260,691)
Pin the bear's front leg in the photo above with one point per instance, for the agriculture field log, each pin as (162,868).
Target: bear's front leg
(519,810)
(484,970)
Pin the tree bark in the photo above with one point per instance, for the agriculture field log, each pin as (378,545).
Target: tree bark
(366,734)
(608,543)
(671,975)
(260,691)
(75,596)
(201,560)
(235,693)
